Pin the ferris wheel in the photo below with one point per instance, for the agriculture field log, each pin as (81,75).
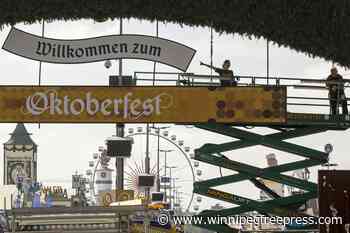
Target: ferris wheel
(174,159)
(171,155)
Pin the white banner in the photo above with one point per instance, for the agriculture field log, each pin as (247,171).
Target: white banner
(98,49)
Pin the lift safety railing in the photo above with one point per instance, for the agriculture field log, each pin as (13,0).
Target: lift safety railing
(191,79)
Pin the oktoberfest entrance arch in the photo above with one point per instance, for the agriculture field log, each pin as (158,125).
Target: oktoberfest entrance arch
(303,26)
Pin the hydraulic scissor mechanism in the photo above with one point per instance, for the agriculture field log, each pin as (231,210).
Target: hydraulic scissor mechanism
(276,205)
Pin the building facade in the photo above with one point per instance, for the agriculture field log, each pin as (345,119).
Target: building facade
(20,157)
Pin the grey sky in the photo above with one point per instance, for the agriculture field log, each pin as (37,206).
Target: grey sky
(65,148)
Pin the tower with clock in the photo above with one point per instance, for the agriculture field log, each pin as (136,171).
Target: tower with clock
(20,157)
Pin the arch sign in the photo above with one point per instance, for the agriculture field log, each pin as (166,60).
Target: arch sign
(98,49)
(101,104)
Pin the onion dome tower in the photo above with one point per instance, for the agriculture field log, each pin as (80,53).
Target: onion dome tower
(20,157)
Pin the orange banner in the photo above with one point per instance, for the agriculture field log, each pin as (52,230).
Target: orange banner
(88,104)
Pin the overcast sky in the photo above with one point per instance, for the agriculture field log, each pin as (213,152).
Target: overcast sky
(66,148)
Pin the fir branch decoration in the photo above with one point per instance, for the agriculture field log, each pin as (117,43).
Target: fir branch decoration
(318,28)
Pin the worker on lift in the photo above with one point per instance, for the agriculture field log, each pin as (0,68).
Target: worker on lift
(226,75)
(335,84)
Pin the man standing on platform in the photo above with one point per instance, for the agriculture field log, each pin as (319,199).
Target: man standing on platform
(335,84)
(226,75)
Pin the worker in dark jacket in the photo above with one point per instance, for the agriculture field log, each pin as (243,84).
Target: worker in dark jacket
(226,75)
(335,84)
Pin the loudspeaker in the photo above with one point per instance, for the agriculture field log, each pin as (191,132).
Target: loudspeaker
(125,81)
(145,181)
(119,147)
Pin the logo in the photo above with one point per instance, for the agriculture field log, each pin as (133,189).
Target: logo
(163,219)
(51,103)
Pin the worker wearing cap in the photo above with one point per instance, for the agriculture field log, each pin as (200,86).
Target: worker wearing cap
(336,93)
(226,75)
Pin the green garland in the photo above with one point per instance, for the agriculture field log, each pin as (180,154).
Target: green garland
(317,27)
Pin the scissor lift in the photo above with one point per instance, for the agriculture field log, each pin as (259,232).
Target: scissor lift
(297,125)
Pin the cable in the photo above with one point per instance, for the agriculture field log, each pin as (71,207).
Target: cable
(267,61)
(42,35)
(155,63)
(40,62)
(211,51)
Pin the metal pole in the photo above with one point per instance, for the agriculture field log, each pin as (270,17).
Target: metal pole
(40,63)
(155,63)
(119,162)
(267,61)
(120,60)
(211,52)
(165,186)
(158,151)
(158,155)
(147,193)
(175,196)
(42,35)
(165,172)
(147,150)
(174,192)
(154,83)
(171,186)
(170,191)
(147,162)
(147,159)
